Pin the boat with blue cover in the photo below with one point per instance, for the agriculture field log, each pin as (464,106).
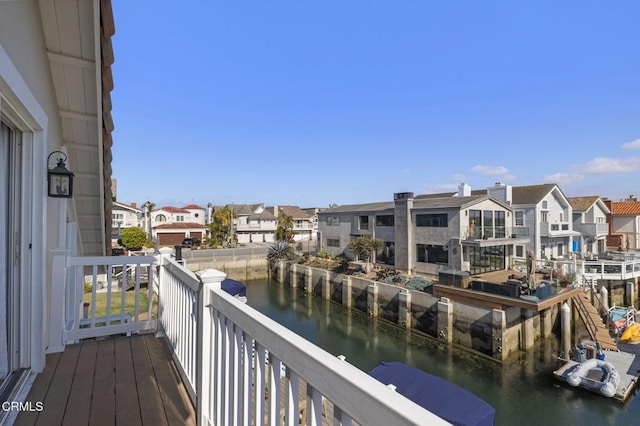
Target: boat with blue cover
(235,288)
(447,400)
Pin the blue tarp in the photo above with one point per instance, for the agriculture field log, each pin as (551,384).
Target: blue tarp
(234,288)
(443,398)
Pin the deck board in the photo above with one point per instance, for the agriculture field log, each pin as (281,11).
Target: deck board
(151,408)
(56,400)
(103,402)
(119,381)
(79,403)
(127,407)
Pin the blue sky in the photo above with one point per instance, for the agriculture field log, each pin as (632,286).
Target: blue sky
(317,102)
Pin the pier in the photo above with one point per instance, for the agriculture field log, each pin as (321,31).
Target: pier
(626,363)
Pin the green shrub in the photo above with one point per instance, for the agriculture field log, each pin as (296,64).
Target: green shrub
(395,279)
(322,254)
(418,283)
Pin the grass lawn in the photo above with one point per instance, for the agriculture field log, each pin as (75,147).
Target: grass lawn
(129,307)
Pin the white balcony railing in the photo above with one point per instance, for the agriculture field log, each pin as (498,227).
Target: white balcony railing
(239,366)
(103,278)
(252,370)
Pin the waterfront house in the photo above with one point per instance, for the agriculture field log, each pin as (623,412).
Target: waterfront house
(590,220)
(55,106)
(624,224)
(426,234)
(542,213)
(170,225)
(253,223)
(303,222)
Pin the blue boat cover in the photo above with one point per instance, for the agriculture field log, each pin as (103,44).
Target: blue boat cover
(443,398)
(234,288)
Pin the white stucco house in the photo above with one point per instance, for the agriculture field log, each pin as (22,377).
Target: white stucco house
(55,84)
(170,225)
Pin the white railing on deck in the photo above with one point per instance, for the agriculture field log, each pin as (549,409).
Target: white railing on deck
(254,367)
(179,292)
(250,370)
(117,318)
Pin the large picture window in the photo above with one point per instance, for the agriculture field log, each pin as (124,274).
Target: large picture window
(436,220)
(333,220)
(385,220)
(428,253)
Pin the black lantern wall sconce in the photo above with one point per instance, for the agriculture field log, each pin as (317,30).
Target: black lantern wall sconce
(59,179)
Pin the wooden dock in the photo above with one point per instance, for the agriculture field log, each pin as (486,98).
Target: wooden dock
(598,331)
(627,364)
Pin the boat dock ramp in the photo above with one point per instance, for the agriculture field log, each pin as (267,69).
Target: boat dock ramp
(626,362)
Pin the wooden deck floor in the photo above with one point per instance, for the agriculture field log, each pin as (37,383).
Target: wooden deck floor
(119,381)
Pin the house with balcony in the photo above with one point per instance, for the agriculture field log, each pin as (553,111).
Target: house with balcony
(303,222)
(253,223)
(170,225)
(544,214)
(428,233)
(590,221)
(624,224)
(124,216)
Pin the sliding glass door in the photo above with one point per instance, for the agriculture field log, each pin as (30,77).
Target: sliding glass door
(10,160)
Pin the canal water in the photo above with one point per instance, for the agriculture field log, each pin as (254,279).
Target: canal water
(523,390)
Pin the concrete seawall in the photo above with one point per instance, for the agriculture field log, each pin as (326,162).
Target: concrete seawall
(242,264)
(493,332)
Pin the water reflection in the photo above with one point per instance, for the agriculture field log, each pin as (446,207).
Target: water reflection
(523,391)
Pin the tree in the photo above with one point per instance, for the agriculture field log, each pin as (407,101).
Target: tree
(284,231)
(133,238)
(365,246)
(221,227)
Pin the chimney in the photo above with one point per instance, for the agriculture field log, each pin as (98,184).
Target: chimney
(464,190)
(275,211)
(134,205)
(501,191)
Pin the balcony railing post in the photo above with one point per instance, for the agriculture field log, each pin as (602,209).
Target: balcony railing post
(205,352)
(57,320)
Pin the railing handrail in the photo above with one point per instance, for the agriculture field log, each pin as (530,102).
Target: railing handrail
(359,396)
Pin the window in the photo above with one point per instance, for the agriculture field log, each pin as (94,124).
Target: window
(179,218)
(488,224)
(500,224)
(161,218)
(333,242)
(333,220)
(385,220)
(560,249)
(364,222)
(519,217)
(545,204)
(544,216)
(439,220)
(428,253)
(519,251)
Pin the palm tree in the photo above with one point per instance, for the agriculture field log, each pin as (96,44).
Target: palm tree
(221,226)
(284,231)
